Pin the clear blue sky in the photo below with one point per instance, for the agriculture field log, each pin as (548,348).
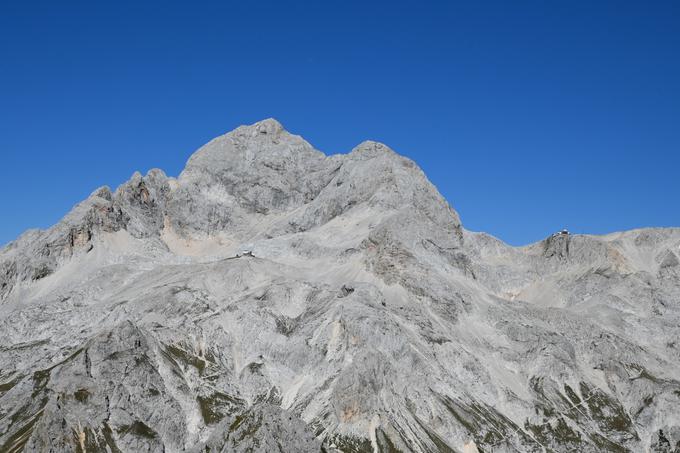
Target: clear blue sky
(527,115)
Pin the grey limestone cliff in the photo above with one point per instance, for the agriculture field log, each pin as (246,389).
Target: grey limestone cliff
(272,298)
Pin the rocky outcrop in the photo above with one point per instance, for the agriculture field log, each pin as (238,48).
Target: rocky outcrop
(273,298)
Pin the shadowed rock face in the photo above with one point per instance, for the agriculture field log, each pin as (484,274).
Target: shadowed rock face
(272,298)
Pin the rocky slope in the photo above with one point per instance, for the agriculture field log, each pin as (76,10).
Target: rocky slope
(272,298)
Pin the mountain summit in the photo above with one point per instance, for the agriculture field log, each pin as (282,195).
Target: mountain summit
(272,298)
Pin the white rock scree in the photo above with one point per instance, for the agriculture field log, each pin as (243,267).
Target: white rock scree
(272,298)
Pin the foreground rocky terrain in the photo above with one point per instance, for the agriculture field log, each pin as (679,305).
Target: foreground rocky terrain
(272,298)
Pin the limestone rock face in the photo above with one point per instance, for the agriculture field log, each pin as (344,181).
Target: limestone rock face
(272,298)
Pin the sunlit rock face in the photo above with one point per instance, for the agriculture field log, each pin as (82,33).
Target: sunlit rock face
(272,298)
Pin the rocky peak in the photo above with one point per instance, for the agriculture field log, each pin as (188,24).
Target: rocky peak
(269,127)
(275,298)
(370,149)
(263,144)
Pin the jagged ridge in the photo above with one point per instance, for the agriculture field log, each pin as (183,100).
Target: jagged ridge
(272,298)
